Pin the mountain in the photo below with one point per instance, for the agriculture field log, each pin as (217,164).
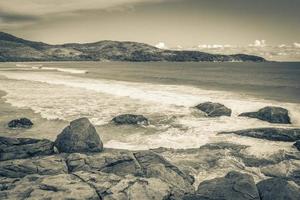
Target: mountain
(16,49)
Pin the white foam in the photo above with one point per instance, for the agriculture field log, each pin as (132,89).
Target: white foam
(66,97)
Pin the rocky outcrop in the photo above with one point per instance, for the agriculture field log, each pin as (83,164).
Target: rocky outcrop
(15,148)
(214,109)
(234,186)
(297,145)
(20,123)
(274,134)
(79,136)
(130,120)
(48,165)
(270,114)
(278,189)
(145,164)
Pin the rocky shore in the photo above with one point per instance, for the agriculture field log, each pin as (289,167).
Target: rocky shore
(77,166)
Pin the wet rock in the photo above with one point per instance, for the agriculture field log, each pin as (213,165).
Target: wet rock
(16,148)
(214,109)
(79,136)
(278,189)
(270,114)
(287,169)
(48,165)
(274,134)
(62,186)
(234,186)
(297,145)
(20,123)
(130,120)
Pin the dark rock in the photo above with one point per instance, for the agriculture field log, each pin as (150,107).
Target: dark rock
(214,109)
(278,189)
(15,148)
(130,119)
(270,114)
(274,134)
(20,123)
(234,186)
(79,136)
(297,145)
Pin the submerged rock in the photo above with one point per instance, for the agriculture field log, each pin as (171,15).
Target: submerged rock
(274,134)
(16,148)
(79,136)
(278,189)
(297,145)
(234,186)
(214,109)
(20,123)
(130,119)
(270,114)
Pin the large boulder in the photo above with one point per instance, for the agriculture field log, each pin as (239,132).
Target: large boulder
(234,186)
(20,123)
(297,145)
(278,189)
(270,114)
(274,134)
(130,119)
(15,148)
(214,109)
(79,136)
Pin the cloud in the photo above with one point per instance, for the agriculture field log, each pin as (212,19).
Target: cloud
(44,7)
(213,46)
(11,18)
(161,45)
(296,44)
(258,43)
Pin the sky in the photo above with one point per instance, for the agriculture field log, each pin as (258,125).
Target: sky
(165,23)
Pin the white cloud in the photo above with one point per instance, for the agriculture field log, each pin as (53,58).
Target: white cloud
(212,46)
(258,43)
(296,44)
(161,45)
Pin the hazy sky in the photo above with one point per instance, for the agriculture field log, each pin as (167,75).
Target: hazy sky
(174,22)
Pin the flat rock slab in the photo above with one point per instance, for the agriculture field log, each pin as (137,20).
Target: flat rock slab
(274,134)
(270,114)
(16,148)
(278,189)
(48,165)
(214,109)
(62,186)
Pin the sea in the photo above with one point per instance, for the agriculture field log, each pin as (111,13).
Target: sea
(54,93)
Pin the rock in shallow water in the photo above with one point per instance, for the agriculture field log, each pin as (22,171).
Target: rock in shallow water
(16,148)
(79,136)
(297,145)
(130,119)
(274,134)
(234,186)
(278,189)
(270,114)
(214,109)
(20,123)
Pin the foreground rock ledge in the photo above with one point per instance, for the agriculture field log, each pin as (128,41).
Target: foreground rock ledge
(79,136)
(214,109)
(270,114)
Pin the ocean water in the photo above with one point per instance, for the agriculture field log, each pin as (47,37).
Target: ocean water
(163,92)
